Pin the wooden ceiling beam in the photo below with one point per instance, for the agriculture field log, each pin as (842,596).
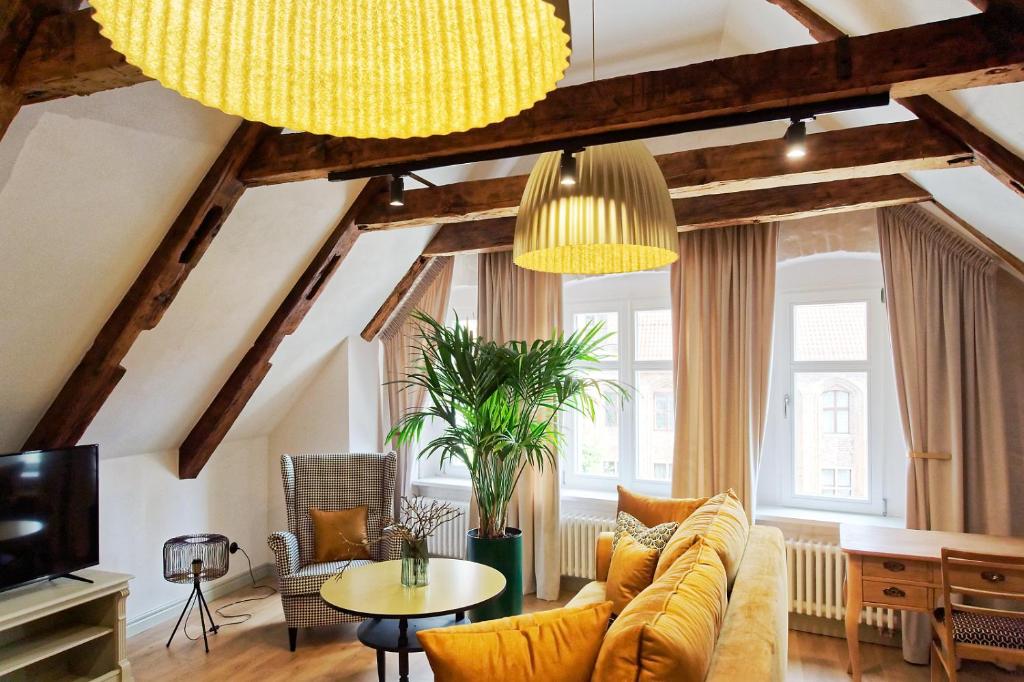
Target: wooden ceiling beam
(820,28)
(395,298)
(68,56)
(18,22)
(16,25)
(215,422)
(714,210)
(886,149)
(1002,163)
(982,49)
(149,297)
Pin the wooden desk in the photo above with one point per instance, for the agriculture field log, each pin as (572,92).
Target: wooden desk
(899,569)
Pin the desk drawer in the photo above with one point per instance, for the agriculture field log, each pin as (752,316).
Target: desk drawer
(896,595)
(1005,579)
(897,569)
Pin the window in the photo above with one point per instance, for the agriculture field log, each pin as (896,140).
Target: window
(629,443)
(835,411)
(826,379)
(664,412)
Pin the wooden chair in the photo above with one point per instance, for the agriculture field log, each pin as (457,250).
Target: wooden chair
(975,632)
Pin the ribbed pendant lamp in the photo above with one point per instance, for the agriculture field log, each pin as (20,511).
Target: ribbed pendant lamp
(359,68)
(617,217)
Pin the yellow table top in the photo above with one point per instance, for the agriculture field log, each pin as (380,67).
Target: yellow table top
(376,590)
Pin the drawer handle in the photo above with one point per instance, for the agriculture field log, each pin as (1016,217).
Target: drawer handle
(894,592)
(894,566)
(992,576)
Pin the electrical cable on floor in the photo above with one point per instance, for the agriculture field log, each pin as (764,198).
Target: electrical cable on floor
(242,616)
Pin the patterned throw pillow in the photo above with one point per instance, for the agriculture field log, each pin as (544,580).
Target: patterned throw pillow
(655,537)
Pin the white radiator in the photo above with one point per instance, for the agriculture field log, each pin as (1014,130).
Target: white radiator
(817,575)
(579,544)
(579,541)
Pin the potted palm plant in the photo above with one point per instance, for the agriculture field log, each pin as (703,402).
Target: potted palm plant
(499,406)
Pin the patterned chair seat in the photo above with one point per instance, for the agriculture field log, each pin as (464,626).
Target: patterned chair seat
(308,579)
(975,628)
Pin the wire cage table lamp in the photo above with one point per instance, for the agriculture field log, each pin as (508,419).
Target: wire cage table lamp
(195,559)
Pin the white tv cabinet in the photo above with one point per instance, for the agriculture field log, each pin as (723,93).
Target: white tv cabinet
(65,630)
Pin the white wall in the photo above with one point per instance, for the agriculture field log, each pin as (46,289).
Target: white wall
(336,412)
(364,395)
(143,504)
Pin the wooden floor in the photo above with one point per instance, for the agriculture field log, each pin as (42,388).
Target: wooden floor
(258,650)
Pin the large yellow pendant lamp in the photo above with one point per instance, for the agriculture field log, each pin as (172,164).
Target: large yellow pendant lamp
(613,214)
(360,68)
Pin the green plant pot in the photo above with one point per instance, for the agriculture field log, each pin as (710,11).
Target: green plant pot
(506,556)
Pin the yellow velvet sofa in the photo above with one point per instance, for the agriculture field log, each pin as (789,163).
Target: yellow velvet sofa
(752,643)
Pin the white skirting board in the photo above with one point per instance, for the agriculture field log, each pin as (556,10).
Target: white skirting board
(171,610)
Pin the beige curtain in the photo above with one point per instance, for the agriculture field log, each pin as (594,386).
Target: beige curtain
(398,341)
(941,301)
(723,300)
(518,304)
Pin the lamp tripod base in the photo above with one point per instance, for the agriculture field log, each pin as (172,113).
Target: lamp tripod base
(204,613)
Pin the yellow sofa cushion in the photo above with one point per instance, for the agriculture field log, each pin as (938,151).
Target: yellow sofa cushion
(668,632)
(722,522)
(652,511)
(632,570)
(561,644)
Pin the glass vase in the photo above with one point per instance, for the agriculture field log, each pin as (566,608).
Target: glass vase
(415,563)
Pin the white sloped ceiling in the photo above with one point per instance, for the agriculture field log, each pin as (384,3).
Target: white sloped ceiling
(88,187)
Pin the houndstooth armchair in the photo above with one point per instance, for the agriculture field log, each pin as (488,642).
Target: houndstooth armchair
(331,482)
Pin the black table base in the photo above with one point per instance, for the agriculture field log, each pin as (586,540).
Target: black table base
(399,636)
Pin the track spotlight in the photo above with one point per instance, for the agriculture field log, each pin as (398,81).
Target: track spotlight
(796,140)
(397,189)
(567,167)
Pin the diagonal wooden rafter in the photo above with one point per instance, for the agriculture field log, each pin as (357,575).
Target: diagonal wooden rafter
(1002,163)
(395,298)
(149,297)
(215,422)
(1012,264)
(68,56)
(19,20)
(714,210)
(982,49)
(869,151)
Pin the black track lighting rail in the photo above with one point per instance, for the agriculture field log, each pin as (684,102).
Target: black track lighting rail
(803,111)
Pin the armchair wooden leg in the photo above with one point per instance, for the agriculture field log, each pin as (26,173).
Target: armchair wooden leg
(293,634)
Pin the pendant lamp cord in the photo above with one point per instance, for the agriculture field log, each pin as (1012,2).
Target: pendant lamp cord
(593,40)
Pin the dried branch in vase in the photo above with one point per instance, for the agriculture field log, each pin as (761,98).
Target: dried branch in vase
(422,519)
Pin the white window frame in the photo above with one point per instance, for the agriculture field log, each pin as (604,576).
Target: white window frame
(784,362)
(627,367)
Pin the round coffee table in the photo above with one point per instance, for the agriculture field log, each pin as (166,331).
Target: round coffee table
(396,613)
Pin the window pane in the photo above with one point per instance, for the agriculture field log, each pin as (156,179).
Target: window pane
(610,322)
(825,332)
(596,443)
(653,335)
(830,439)
(655,428)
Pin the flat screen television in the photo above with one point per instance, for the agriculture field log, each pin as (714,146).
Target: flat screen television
(49,513)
